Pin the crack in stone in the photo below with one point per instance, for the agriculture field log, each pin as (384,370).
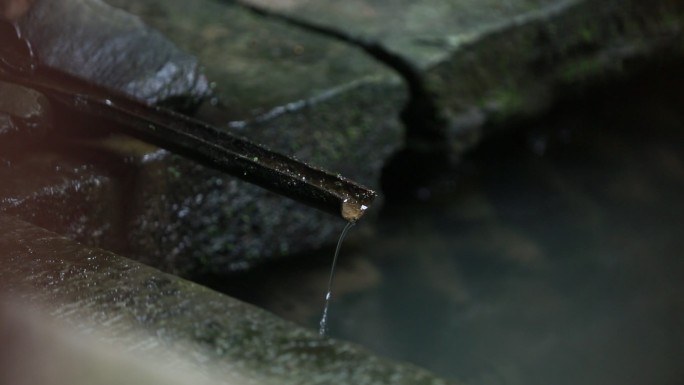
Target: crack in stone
(421,115)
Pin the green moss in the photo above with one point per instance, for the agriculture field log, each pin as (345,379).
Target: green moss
(588,34)
(583,69)
(508,100)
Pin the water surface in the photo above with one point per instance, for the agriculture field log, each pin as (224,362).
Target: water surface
(556,257)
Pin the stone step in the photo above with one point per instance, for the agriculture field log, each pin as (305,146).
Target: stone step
(309,79)
(81,315)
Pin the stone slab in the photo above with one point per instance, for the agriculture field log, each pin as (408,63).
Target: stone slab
(316,99)
(484,63)
(111,301)
(424,31)
(255,64)
(522,69)
(51,189)
(184,218)
(298,93)
(191,219)
(92,40)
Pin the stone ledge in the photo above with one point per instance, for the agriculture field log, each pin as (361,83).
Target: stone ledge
(336,108)
(115,302)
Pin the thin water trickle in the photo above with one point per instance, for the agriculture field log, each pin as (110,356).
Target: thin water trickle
(324,318)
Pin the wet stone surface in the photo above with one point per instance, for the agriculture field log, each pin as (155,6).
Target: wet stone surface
(255,64)
(190,219)
(172,213)
(484,63)
(24,114)
(521,69)
(324,102)
(123,303)
(301,93)
(56,191)
(424,31)
(111,48)
(329,104)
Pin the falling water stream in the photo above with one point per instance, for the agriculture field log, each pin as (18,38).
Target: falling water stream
(324,318)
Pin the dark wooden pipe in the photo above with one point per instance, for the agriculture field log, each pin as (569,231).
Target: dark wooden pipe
(189,137)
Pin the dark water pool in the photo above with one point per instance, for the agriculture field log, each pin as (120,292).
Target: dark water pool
(556,258)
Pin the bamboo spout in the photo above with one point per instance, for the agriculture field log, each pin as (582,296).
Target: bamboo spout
(198,141)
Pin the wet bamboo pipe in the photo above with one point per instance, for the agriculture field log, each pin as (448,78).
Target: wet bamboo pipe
(198,141)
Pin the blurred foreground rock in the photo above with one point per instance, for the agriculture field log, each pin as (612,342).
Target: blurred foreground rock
(102,318)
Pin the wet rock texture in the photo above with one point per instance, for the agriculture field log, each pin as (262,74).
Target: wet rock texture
(209,223)
(256,64)
(483,63)
(300,94)
(90,39)
(465,68)
(24,113)
(115,301)
(305,93)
